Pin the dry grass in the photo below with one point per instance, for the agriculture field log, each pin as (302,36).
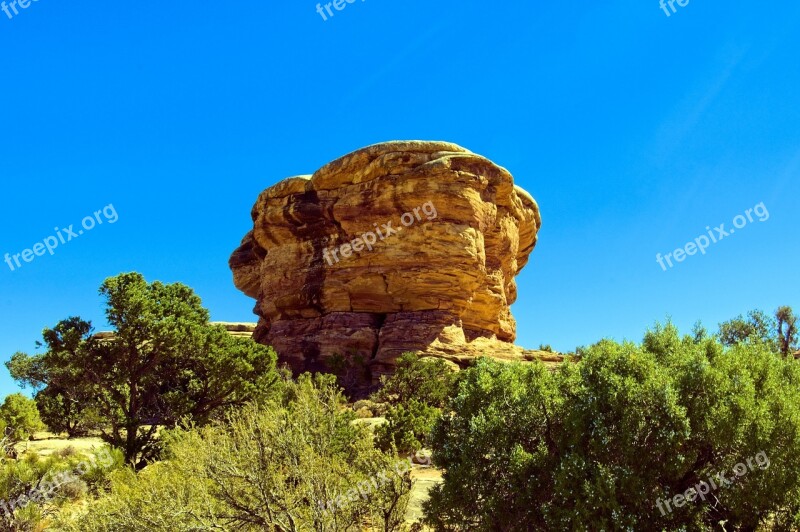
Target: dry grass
(45,444)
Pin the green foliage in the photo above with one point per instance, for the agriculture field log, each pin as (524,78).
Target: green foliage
(64,411)
(756,327)
(430,381)
(19,417)
(602,440)
(63,407)
(546,347)
(164,363)
(779,331)
(34,489)
(407,427)
(351,371)
(294,463)
(416,393)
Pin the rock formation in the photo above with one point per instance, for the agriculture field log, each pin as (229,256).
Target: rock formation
(400,246)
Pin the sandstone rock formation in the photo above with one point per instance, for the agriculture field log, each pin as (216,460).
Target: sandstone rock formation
(400,246)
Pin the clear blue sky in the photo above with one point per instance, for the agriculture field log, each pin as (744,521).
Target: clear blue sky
(633,130)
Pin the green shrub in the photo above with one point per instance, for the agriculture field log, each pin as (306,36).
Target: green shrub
(99,468)
(407,427)
(604,440)
(415,395)
(20,417)
(33,489)
(295,463)
(430,381)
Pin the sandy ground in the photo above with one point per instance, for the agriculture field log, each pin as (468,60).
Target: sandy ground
(424,479)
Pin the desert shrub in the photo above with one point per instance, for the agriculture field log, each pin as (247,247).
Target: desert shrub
(75,489)
(66,452)
(430,381)
(98,469)
(377,409)
(407,427)
(364,403)
(295,463)
(20,417)
(415,395)
(161,497)
(607,440)
(34,488)
(363,413)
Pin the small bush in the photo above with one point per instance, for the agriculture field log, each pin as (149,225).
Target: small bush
(20,417)
(407,427)
(34,489)
(363,403)
(414,396)
(74,490)
(364,413)
(429,381)
(66,452)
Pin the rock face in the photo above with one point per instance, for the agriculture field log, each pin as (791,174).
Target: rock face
(400,246)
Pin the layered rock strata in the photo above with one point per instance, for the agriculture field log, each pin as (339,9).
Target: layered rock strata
(400,246)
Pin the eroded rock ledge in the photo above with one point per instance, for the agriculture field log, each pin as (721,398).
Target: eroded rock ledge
(441,284)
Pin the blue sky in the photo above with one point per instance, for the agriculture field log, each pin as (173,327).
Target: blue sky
(633,130)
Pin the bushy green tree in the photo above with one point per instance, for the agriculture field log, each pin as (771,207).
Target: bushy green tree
(416,393)
(19,417)
(163,363)
(756,327)
(295,463)
(70,411)
(427,380)
(407,427)
(778,331)
(67,409)
(603,441)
